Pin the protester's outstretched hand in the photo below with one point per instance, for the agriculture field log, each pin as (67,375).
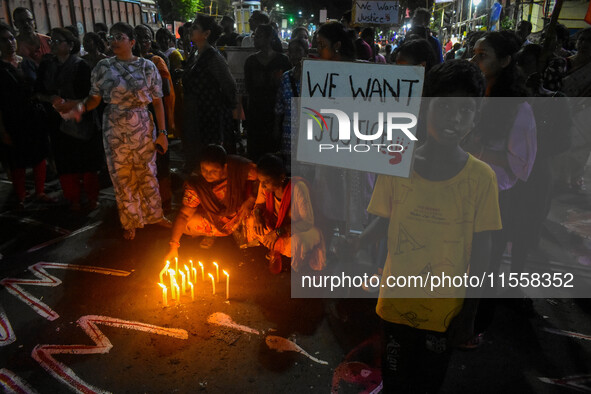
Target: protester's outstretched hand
(259,225)
(269,240)
(245,210)
(63,106)
(172,253)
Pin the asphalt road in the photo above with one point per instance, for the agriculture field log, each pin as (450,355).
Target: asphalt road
(105,328)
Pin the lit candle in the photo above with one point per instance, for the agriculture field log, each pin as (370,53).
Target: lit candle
(164,294)
(217,271)
(202,272)
(171,275)
(227,284)
(178,298)
(212,282)
(183,282)
(194,274)
(188,274)
(191,262)
(192,291)
(164,270)
(173,294)
(176,265)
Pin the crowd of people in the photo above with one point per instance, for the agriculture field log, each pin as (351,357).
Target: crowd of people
(118,102)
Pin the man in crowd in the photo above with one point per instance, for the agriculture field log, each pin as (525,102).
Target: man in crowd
(422,19)
(31,44)
(256,19)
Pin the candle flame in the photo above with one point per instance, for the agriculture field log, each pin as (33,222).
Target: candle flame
(172,272)
(200,264)
(210,275)
(214,263)
(186,268)
(225,273)
(161,285)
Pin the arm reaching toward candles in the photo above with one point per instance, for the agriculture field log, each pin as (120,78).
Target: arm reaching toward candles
(219,198)
(178,228)
(283,220)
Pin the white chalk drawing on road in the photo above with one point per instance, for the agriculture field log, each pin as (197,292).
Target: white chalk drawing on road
(273,342)
(6,333)
(571,334)
(43,354)
(13,384)
(221,319)
(13,285)
(577,382)
(65,236)
(285,345)
(46,279)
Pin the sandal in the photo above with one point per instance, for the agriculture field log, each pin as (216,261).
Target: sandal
(207,242)
(129,234)
(164,222)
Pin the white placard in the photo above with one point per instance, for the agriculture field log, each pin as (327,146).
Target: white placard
(358,116)
(375,12)
(236,57)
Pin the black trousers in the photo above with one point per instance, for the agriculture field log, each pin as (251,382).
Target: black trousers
(413,360)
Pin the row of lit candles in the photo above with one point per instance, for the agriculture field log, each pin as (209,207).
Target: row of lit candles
(186,280)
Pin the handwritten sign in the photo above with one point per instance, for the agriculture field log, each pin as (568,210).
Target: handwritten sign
(359,116)
(376,12)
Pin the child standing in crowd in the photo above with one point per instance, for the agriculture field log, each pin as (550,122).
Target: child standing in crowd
(440,219)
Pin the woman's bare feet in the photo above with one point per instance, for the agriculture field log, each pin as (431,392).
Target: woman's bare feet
(129,234)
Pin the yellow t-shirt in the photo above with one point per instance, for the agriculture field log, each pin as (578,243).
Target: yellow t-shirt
(430,232)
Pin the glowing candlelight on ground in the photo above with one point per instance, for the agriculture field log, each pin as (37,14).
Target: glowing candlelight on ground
(212,282)
(171,275)
(176,265)
(164,271)
(217,271)
(192,291)
(188,274)
(202,272)
(183,282)
(227,284)
(173,294)
(178,298)
(164,294)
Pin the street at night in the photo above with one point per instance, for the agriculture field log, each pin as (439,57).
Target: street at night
(82,310)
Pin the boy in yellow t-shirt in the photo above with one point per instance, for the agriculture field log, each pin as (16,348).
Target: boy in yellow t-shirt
(439,220)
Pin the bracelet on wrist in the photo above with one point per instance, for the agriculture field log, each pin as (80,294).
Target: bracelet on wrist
(163,131)
(175,244)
